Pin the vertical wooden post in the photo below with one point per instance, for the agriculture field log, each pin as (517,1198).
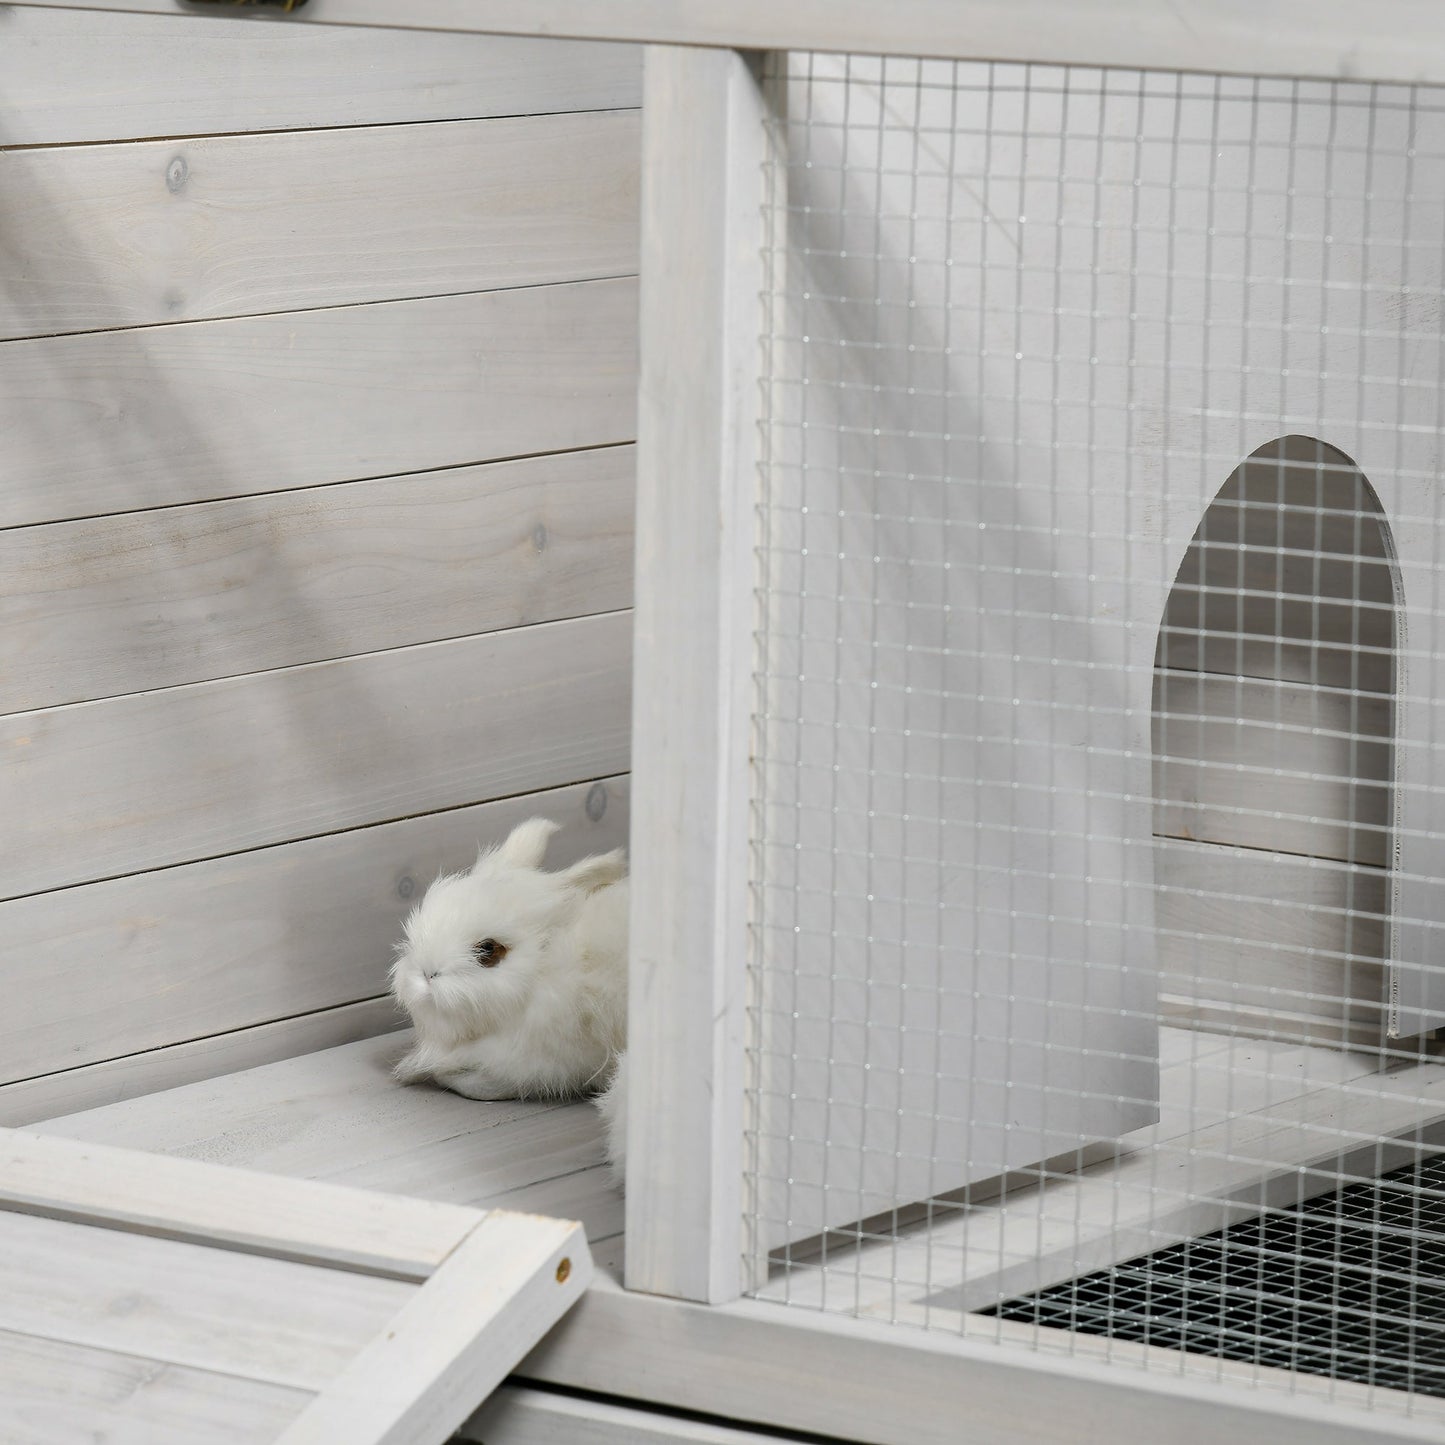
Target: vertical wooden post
(702,238)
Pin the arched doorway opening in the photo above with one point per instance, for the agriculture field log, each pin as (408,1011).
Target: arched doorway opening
(1272,730)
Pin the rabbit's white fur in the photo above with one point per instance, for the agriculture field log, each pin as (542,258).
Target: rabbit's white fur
(550,1018)
(612,1105)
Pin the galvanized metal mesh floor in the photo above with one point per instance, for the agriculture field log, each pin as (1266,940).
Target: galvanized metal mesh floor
(1350,1285)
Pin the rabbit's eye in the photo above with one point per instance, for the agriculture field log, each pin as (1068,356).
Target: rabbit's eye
(489,953)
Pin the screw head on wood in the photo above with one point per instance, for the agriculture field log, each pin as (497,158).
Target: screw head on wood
(564,1270)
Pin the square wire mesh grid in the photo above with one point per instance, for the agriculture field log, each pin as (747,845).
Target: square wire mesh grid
(1098,800)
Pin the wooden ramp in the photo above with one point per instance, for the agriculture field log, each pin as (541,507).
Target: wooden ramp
(146,1300)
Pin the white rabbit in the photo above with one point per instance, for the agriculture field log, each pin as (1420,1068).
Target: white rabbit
(515,978)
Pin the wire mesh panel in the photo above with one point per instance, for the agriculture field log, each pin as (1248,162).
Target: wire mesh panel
(1097,813)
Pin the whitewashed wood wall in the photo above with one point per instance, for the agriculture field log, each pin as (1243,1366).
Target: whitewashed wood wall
(317,385)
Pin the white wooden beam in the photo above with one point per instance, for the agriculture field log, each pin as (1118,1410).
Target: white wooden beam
(315,1223)
(1388,40)
(456,1339)
(803,1370)
(702,230)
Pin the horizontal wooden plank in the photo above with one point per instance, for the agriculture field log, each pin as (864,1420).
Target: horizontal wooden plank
(67,76)
(163,231)
(1256,614)
(233,942)
(127,420)
(187,1304)
(1393,40)
(339,1116)
(1360,1027)
(94,1085)
(135,783)
(1220,647)
(456,1340)
(1268,933)
(147,600)
(517,1415)
(57,1393)
(1278,766)
(802,1370)
(228,1209)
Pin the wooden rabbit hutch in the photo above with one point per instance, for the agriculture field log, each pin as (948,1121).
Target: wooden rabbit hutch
(956,487)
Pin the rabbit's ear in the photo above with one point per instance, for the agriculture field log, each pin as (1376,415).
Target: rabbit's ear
(527,843)
(596,872)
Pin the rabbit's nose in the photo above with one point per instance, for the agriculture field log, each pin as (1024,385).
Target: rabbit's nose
(429,974)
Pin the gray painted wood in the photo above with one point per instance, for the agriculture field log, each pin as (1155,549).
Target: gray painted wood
(142,782)
(139,963)
(1279,943)
(338,1115)
(127,1191)
(190,1304)
(235,1272)
(516,1415)
(698,409)
(456,1339)
(56,1392)
(1280,766)
(148,600)
(68,77)
(90,1086)
(178,230)
(127,420)
(1338,39)
(803,1370)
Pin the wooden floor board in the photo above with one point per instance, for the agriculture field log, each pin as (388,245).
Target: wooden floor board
(337,1115)
(205,1308)
(1236,1107)
(56,1393)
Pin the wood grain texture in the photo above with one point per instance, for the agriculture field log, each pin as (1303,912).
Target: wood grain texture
(129,1192)
(62,1394)
(94,1085)
(1273,936)
(1279,766)
(1393,40)
(230,943)
(698,404)
(187,1304)
(516,1415)
(128,420)
(135,783)
(797,1369)
(338,1116)
(456,1340)
(163,231)
(70,77)
(148,600)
